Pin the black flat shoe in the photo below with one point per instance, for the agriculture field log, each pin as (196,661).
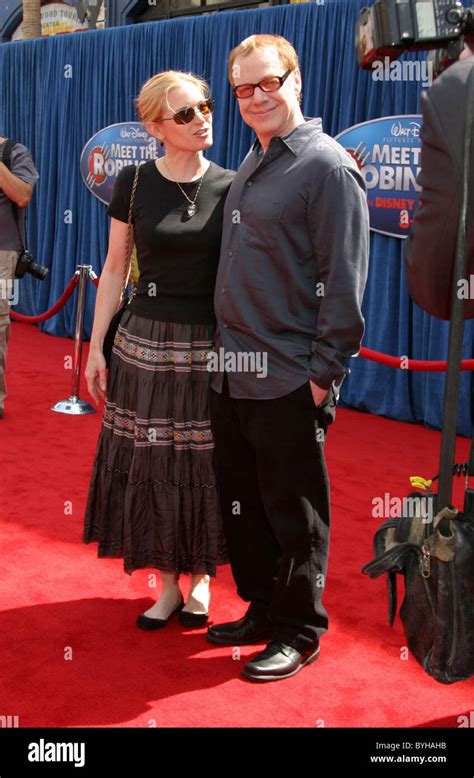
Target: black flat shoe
(145,622)
(279,661)
(193,619)
(243,632)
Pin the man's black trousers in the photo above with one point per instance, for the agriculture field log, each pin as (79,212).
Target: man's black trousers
(274,494)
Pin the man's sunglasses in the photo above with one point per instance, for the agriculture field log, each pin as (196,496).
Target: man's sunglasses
(269,84)
(186,115)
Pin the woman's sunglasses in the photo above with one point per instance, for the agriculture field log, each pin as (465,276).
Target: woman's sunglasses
(186,115)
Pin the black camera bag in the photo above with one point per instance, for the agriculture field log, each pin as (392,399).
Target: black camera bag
(436,560)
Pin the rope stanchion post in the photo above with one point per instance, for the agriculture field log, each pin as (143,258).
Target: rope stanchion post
(73,405)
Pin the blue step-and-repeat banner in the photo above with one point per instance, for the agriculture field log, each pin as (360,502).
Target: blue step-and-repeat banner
(57,93)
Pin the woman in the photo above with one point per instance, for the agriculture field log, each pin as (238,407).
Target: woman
(153,495)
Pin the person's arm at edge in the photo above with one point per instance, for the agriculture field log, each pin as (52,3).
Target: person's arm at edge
(434,229)
(15,189)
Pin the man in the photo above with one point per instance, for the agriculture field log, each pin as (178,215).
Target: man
(291,277)
(430,249)
(17,179)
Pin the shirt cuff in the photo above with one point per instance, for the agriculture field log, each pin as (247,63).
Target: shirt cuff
(324,368)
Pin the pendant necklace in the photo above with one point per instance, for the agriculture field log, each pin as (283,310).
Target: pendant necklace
(192,207)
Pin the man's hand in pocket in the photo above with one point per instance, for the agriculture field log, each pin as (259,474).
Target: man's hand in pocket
(319,394)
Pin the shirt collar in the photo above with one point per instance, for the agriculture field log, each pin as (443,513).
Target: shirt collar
(297,138)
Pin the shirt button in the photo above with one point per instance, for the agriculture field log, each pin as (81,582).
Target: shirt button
(225,326)
(249,183)
(230,253)
(224,290)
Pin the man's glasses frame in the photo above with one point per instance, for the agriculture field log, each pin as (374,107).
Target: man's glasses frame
(186,115)
(268,84)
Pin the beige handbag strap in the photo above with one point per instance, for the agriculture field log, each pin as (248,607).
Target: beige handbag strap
(128,251)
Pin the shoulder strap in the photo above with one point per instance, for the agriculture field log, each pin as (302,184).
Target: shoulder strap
(391,563)
(471,457)
(127,265)
(6,152)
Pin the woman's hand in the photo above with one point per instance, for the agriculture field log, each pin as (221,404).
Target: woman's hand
(96,374)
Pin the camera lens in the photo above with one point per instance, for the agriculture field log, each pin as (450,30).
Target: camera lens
(38,271)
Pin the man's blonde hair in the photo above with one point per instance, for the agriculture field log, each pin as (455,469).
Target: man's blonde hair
(152,101)
(287,54)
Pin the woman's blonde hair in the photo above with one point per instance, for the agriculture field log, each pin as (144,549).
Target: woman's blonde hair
(152,101)
(285,50)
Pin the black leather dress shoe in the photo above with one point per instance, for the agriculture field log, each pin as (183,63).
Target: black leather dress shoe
(145,622)
(243,632)
(279,661)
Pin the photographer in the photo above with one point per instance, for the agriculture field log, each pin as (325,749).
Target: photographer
(18,177)
(430,249)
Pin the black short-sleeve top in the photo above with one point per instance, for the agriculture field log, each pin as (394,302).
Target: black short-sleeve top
(177,255)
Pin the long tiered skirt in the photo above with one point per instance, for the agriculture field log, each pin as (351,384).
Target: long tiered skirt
(153,496)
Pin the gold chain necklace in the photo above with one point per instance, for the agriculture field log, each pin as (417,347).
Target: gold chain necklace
(192,207)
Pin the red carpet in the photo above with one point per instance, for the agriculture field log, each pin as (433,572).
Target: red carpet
(71,654)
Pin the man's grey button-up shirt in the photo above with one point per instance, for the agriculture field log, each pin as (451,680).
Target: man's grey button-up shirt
(293,265)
